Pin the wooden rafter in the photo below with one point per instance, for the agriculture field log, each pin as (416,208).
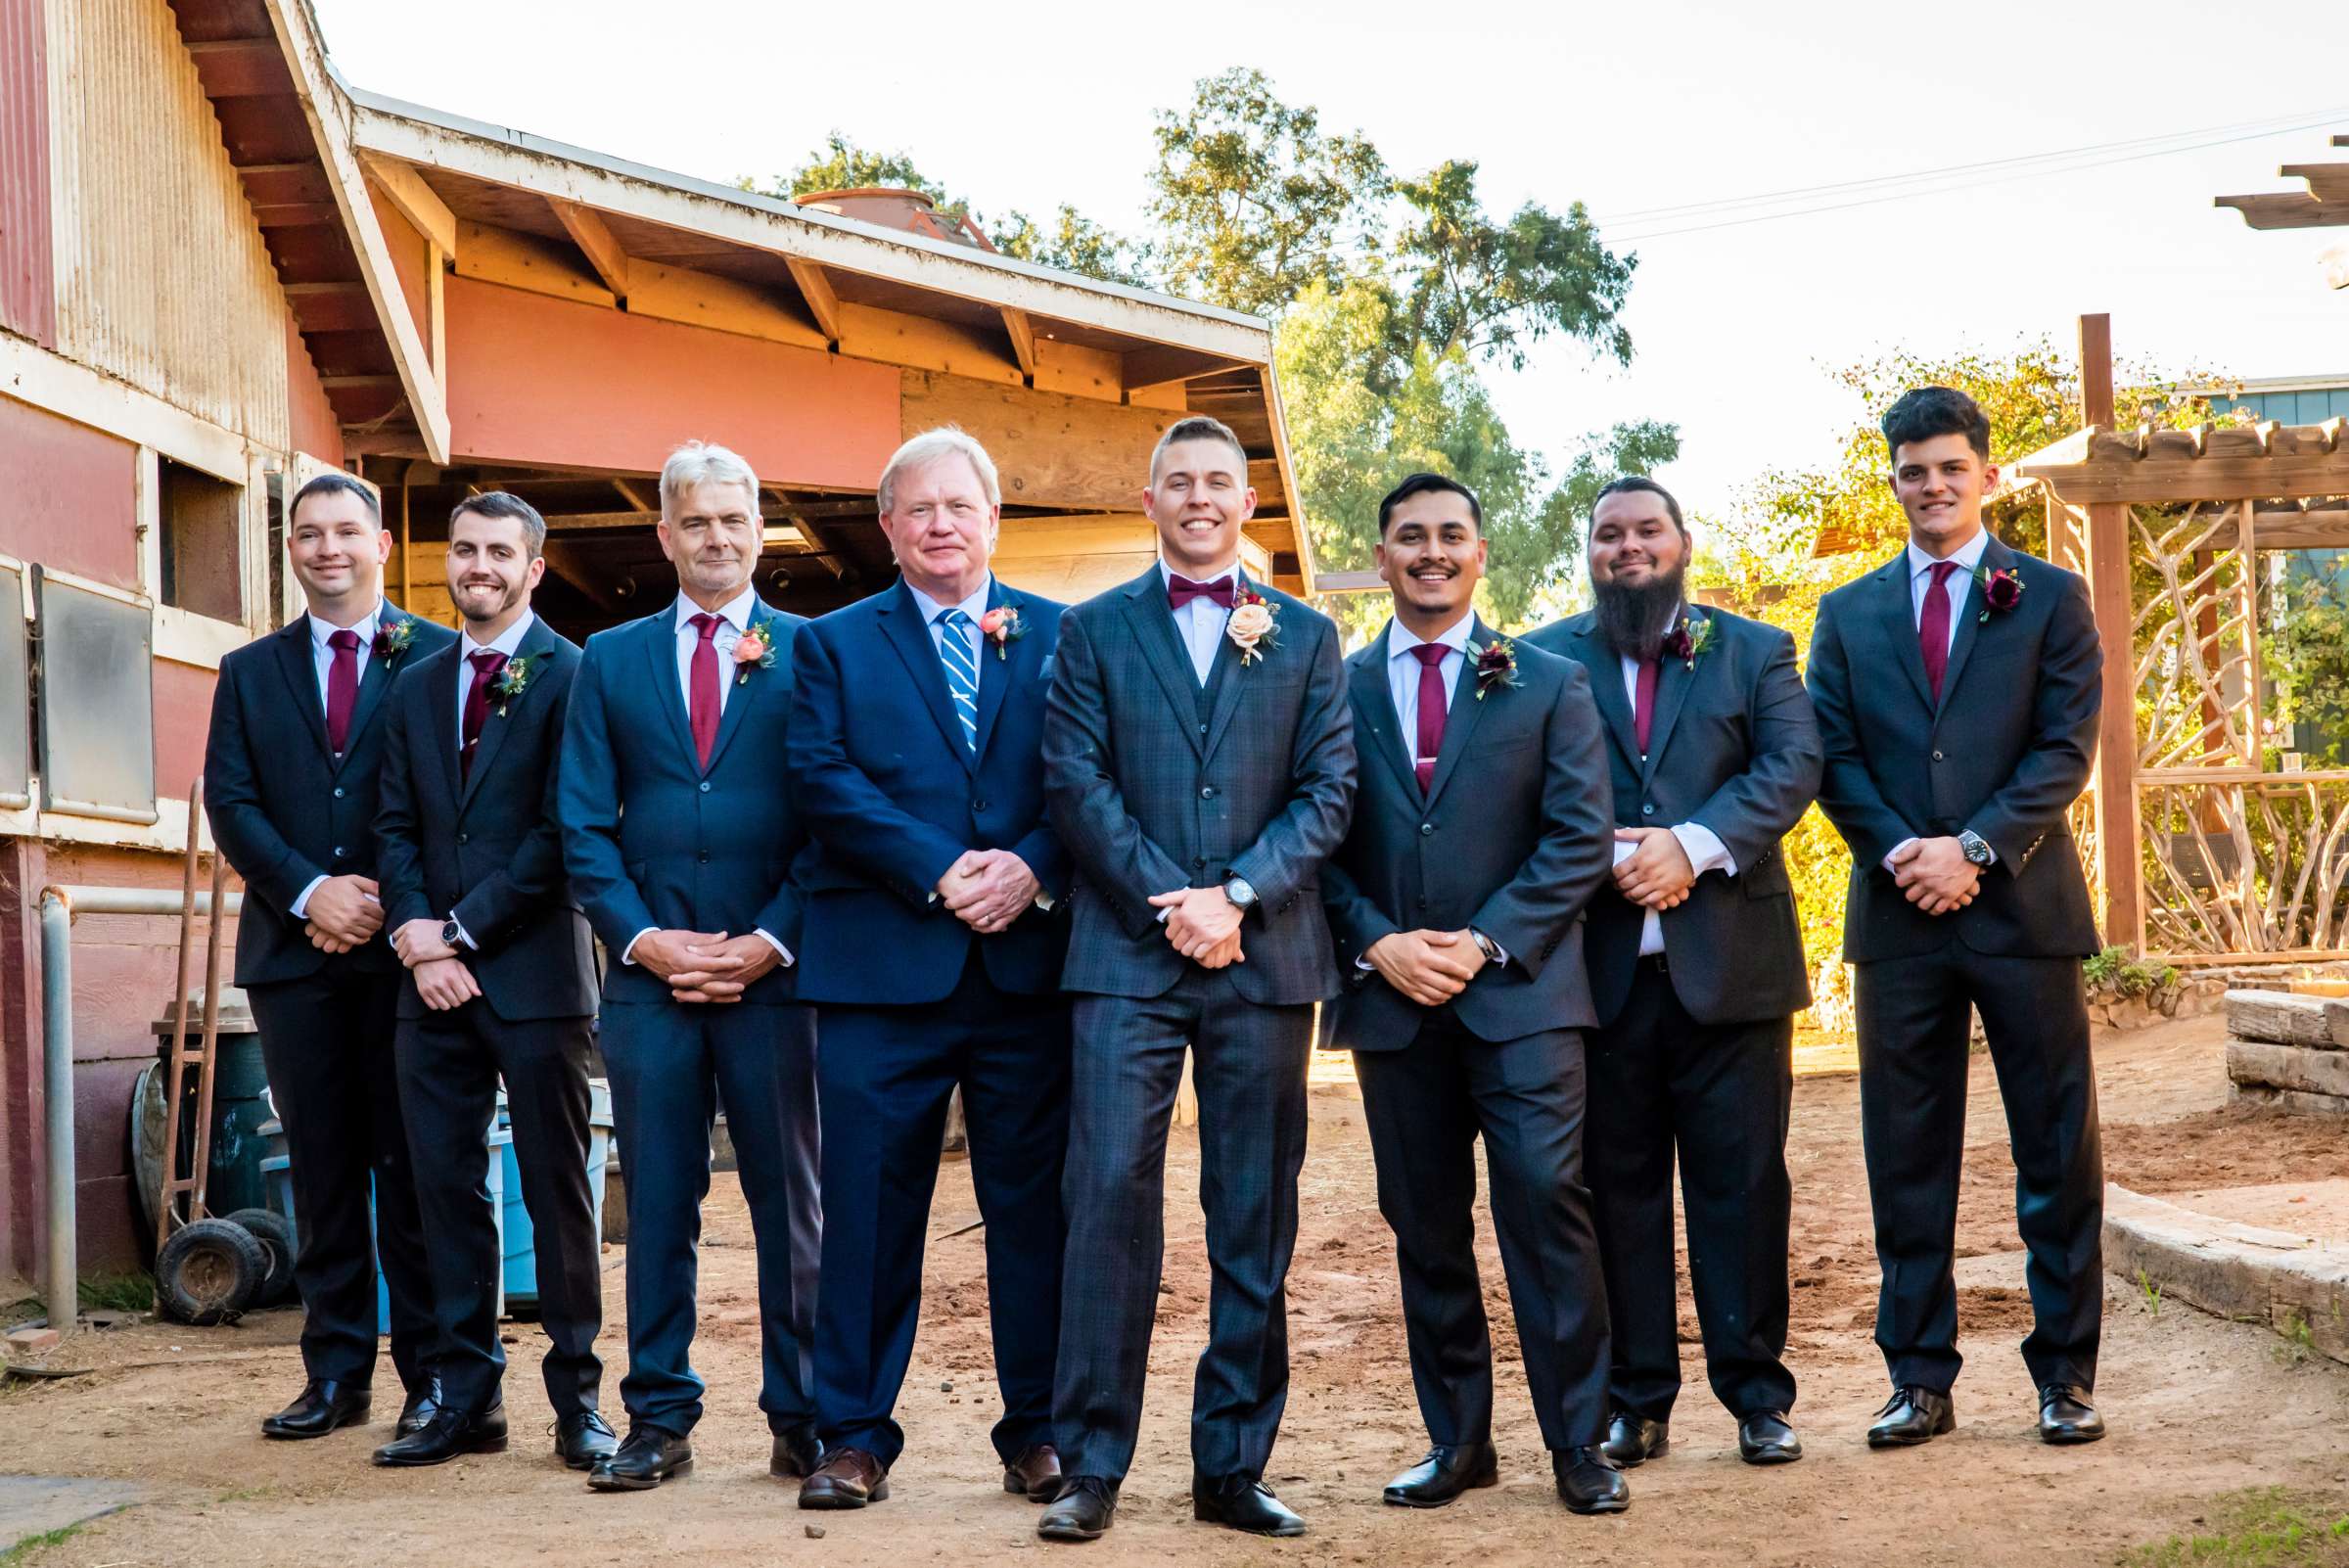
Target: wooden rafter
(414,201)
(816,289)
(595,242)
(1023,340)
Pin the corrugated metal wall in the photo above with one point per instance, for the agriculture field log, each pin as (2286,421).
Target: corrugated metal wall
(162,277)
(28,291)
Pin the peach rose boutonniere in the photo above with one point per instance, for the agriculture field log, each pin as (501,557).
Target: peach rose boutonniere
(1253,629)
(1003,626)
(754,649)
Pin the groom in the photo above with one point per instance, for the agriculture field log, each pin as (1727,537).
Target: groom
(1199,767)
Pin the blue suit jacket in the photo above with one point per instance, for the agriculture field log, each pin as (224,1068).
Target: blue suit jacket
(893,795)
(651,838)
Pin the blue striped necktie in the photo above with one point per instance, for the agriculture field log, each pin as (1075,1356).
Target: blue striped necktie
(962,672)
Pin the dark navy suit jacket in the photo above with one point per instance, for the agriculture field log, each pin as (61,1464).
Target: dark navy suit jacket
(891,795)
(283,809)
(653,839)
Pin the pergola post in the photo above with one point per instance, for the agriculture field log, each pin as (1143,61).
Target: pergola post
(2119,914)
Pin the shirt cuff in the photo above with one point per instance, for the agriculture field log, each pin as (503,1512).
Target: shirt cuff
(781,951)
(1896,851)
(1043,900)
(627,954)
(1704,848)
(302,904)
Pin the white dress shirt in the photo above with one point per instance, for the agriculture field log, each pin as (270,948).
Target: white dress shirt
(974,607)
(1703,847)
(734,617)
(1969,557)
(322,660)
(1200,623)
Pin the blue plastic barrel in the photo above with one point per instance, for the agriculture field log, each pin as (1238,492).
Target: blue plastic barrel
(520,1237)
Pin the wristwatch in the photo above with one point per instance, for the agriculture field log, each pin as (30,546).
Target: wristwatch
(1486,945)
(1241,895)
(453,934)
(1976,848)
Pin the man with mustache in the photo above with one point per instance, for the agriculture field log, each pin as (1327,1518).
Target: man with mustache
(1696,958)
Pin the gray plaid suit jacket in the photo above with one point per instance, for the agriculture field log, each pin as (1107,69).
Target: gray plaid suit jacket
(1151,790)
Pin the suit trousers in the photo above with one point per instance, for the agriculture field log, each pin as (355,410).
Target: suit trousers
(1426,1105)
(1247,1069)
(1719,1096)
(884,1076)
(1913,1033)
(670,1065)
(450,1067)
(326,1043)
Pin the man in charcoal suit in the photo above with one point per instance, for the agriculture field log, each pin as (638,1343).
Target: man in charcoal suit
(935,938)
(678,834)
(1696,961)
(1957,689)
(1199,767)
(1480,833)
(501,985)
(291,769)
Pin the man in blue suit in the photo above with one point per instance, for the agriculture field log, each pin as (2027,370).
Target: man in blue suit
(932,954)
(679,837)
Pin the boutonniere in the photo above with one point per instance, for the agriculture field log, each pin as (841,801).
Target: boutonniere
(754,649)
(1495,667)
(2002,591)
(1003,626)
(1253,627)
(393,635)
(512,681)
(1689,641)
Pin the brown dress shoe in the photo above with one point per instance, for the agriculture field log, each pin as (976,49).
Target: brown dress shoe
(1035,1473)
(848,1478)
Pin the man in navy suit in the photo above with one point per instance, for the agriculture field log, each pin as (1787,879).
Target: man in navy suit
(501,984)
(1957,689)
(933,951)
(678,834)
(290,776)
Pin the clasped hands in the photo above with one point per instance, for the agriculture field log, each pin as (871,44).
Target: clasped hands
(1203,925)
(1430,967)
(1935,874)
(1658,874)
(706,966)
(987,890)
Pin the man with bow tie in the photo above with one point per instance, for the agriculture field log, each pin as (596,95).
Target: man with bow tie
(291,773)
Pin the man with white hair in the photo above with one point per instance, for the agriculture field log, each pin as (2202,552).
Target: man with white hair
(678,840)
(932,954)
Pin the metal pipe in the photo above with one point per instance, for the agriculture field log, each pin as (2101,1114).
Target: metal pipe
(59,904)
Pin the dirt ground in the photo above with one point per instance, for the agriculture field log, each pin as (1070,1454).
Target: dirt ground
(2198,1407)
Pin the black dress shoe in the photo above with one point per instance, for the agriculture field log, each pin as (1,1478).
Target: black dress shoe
(448,1435)
(1034,1473)
(2067,1416)
(1913,1414)
(582,1438)
(1589,1482)
(647,1459)
(1634,1439)
(1766,1438)
(848,1478)
(1242,1502)
(1448,1472)
(1082,1512)
(417,1410)
(796,1453)
(322,1406)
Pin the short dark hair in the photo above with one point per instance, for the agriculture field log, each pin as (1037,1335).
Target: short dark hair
(1424,484)
(1641,484)
(1929,411)
(1197,428)
(504,504)
(334,482)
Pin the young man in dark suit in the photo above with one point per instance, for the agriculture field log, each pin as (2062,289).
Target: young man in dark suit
(501,984)
(1957,688)
(1696,961)
(291,769)
(1199,766)
(1480,833)
(678,834)
(933,952)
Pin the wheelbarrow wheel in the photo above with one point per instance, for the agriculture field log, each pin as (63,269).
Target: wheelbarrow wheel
(275,1232)
(208,1272)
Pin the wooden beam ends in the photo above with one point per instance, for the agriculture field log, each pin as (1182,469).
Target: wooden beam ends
(1022,340)
(816,289)
(595,242)
(414,201)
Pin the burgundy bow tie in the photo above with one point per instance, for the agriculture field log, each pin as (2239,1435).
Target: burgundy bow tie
(1181,590)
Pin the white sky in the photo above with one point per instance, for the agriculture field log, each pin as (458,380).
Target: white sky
(1625,107)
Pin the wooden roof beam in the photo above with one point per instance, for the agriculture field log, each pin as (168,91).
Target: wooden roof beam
(822,303)
(2326,182)
(413,199)
(1147,368)
(2286,209)
(565,561)
(1023,340)
(595,242)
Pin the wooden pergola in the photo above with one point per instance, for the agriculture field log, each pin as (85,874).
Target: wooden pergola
(2323,205)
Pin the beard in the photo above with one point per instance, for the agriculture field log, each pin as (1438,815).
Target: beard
(1633,620)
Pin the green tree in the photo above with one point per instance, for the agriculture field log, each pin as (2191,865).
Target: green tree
(840,165)
(1074,243)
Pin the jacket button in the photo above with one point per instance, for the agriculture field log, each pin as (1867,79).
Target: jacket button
(338,792)
(1203,729)
(978,806)
(338,852)
(1425,828)
(1198,862)
(704,857)
(460,839)
(1208,793)
(1649,809)
(1937,757)
(705,786)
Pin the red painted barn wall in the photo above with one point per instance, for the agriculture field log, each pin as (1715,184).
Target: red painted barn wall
(69,495)
(536,379)
(27,279)
(310,423)
(183,712)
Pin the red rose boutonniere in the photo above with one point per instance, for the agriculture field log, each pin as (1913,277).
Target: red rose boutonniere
(754,649)
(1495,667)
(1689,641)
(393,636)
(2002,591)
(1003,626)
(1253,629)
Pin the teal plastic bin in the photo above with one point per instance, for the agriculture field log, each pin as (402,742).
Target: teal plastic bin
(520,1237)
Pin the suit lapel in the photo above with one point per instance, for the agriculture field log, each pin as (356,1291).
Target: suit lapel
(1163,650)
(1010,659)
(1234,675)
(1896,613)
(660,653)
(738,701)
(432,687)
(377,679)
(296,658)
(1673,677)
(1460,720)
(1374,701)
(1605,665)
(903,626)
(1995,556)
(495,728)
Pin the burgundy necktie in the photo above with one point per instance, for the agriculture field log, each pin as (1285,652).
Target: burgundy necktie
(485,666)
(704,686)
(1181,590)
(1933,627)
(341,687)
(1643,701)
(1432,712)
